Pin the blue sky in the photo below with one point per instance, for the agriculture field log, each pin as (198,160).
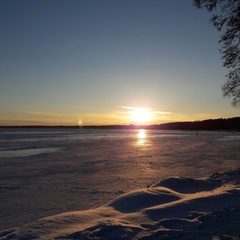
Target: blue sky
(96,61)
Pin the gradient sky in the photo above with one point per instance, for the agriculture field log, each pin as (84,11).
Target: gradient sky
(95,61)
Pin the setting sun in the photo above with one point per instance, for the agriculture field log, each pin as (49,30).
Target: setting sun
(141,115)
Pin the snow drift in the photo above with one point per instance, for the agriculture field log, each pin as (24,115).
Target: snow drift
(175,208)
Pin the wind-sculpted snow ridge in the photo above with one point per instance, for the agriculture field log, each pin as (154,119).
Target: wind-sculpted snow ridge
(175,208)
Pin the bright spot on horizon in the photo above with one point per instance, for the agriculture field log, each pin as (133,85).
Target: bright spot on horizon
(79,122)
(141,115)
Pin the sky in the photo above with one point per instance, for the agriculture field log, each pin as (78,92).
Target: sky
(97,62)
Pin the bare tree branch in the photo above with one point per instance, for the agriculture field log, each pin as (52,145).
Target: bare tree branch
(227,18)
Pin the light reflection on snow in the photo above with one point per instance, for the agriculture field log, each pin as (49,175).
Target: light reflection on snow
(141,137)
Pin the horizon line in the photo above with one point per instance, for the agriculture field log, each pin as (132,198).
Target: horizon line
(131,125)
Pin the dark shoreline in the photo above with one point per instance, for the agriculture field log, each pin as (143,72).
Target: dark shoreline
(225,124)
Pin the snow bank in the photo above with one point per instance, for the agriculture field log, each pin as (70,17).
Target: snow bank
(175,208)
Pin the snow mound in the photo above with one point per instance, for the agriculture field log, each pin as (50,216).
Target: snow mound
(175,208)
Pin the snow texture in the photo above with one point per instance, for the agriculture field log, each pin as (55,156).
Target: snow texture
(175,208)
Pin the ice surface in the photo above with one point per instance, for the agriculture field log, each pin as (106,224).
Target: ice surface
(90,169)
(26,152)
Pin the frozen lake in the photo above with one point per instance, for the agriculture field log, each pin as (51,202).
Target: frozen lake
(49,171)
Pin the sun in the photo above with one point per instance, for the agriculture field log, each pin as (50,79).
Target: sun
(141,115)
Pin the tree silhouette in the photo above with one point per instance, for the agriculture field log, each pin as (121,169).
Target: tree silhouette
(227,17)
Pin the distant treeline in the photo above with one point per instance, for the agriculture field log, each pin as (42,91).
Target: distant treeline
(210,124)
(227,124)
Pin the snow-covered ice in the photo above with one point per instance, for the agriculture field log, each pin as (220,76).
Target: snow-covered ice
(154,185)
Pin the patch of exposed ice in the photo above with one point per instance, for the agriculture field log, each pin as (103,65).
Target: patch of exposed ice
(26,152)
